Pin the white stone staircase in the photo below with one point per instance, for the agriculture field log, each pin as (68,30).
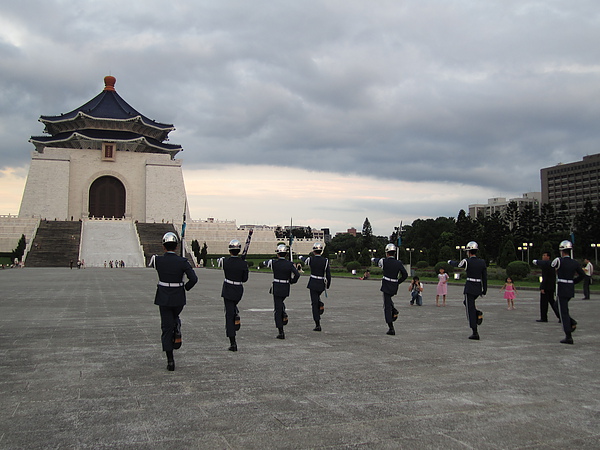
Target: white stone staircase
(110,239)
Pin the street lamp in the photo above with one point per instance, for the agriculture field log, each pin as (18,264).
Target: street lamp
(521,248)
(410,251)
(595,247)
(527,246)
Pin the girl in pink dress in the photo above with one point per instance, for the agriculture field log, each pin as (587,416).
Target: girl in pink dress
(442,287)
(509,293)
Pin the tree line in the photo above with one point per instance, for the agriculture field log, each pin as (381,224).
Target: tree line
(499,235)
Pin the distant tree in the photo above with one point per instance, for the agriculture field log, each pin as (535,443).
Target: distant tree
(367,234)
(511,216)
(446,253)
(365,257)
(465,230)
(529,222)
(547,219)
(517,270)
(563,220)
(508,255)
(19,251)
(546,247)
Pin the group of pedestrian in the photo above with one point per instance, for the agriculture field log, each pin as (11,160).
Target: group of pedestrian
(116,264)
(170,292)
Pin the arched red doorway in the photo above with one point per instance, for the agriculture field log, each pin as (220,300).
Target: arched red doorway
(107,198)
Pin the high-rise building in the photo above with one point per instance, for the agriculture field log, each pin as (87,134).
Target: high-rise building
(572,184)
(499,204)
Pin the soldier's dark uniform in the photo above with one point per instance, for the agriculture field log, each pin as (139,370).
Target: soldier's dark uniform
(475,285)
(547,289)
(284,274)
(566,269)
(320,279)
(236,273)
(394,273)
(170,294)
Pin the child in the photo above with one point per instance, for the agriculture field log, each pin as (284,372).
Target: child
(442,287)
(509,293)
(415,289)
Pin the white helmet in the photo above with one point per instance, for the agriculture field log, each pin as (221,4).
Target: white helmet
(282,248)
(170,237)
(318,246)
(472,245)
(390,248)
(565,245)
(234,244)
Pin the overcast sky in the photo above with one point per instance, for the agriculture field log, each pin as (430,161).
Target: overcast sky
(324,111)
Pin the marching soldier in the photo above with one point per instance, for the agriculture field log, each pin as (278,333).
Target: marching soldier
(284,274)
(547,287)
(236,274)
(394,273)
(475,285)
(566,269)
(170,293)
(319,281)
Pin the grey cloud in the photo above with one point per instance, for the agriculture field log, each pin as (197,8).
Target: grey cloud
(417,91)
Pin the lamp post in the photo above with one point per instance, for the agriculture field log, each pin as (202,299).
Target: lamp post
(410,252)
(527,246)
(521,248)
(595,247)
(459,252)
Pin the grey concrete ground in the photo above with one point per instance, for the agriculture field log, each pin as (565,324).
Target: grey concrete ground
(81,367)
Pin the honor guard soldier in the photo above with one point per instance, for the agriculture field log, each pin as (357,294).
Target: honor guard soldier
(394,273)
(475,285)
(566,269)
(284,274)
(235,269)
(547,287)
(170,294)
(319,281)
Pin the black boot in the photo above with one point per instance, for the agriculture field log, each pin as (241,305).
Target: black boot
(391,330)
(568,339)
(281,334)
(475,335)
(317,325)
(233,344)
(170,361)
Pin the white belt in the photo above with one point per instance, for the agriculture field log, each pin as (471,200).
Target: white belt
(561,280)
(275,280)
(162,283)
(317,277)
(235,283)
(474,280)
(393,280)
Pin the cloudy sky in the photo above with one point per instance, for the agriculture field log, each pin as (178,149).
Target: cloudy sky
(325,111)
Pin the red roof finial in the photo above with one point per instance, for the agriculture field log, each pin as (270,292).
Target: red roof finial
(109,83)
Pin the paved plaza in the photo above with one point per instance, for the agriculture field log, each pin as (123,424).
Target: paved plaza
(81,367)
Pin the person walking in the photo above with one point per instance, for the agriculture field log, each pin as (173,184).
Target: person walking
(394,273)
(319,281)
(566,270)
(442,287)
(170,293)
(588,269)
(284,274)
(510,293)
(235,269)
(547,287)
(475,285)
